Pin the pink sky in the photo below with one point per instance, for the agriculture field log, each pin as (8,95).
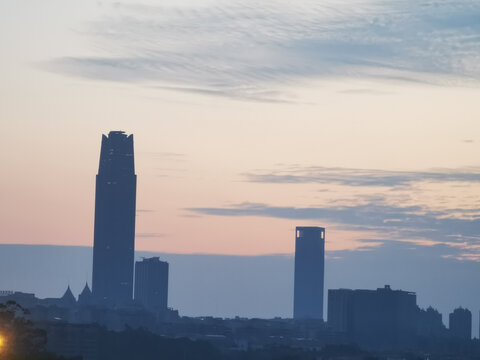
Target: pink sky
(208,106)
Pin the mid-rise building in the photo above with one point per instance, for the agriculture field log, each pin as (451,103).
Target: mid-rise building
(430,324)
(460,323)
(151,284)
(376,319)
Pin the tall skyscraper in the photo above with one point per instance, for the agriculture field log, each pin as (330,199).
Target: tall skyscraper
(309,272)
(114,234)
(151,284)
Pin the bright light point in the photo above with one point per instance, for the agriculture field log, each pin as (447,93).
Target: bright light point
(2,343)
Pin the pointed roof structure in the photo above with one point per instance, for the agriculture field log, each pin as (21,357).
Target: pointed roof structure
(85,297)
(86,291)
(68,298)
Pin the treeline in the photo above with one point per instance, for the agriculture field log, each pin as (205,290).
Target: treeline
(142,344)
(20,339)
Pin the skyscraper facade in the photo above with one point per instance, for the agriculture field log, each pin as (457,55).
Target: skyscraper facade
(114,234)
(309,272)
(151,284)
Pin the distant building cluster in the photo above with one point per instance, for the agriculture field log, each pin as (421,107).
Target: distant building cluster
(375,319)
(125,293)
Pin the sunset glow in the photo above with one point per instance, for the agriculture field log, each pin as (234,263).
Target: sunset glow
(377,130)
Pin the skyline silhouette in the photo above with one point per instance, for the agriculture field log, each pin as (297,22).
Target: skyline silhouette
(114,239)
(258,127)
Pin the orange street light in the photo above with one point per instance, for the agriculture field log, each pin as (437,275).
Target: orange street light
(3,343)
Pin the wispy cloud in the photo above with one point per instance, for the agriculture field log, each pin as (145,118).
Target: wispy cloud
(173,164)
(149,235)
(364,91)
(394,222)
(166,155)
(360,177)
(249,51)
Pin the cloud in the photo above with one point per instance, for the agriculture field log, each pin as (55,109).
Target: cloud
(250,51)
(394,222)
(173,163)
(149,235)
(432,207)
(360,177)
(165,155)
(242,93)
(364,92)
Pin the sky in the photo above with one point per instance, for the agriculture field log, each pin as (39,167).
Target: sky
(248,120)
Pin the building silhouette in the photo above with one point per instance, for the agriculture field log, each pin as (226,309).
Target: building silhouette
(460,323)
(85,297)
(340,311)
(114,234)
(375,319)
(151,284)
(430,324)
(67,300)
(309,272)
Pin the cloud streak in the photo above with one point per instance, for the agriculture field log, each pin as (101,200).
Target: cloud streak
(149,235)
(394,222)
(248,51)
(360,177)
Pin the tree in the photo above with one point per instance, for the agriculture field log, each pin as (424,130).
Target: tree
(19,338)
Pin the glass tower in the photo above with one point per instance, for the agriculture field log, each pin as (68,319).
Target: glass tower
(309,272)
(114,234)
